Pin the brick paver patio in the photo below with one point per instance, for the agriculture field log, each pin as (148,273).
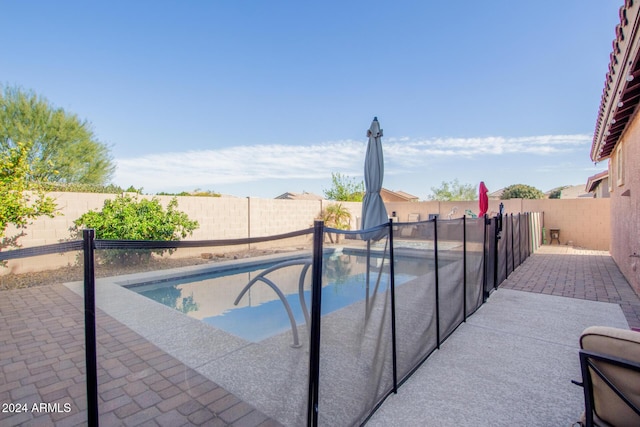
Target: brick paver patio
(42,352)
(42,360)
(576,273)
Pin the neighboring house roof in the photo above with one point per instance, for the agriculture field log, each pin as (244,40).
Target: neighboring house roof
(299,196)
(621,93)
(496,195)
(595,180)
(574,192)
(397,196)
(387,196)
(410,197)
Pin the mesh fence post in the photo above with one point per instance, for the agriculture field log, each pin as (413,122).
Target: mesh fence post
(435,256)
(464,267)
(485,294)
(314,339)
(496,237)
(506,248)
(529,234)
(520,236)
(393,307)
(88,237)
(513,251)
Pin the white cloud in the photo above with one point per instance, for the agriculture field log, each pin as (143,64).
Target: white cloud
(247,164)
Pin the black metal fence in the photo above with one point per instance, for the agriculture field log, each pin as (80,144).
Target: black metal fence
(376,304)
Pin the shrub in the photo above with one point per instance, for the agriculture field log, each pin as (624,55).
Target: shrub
(129,218)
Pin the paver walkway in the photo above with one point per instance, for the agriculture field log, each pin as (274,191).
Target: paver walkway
(42,360)
(576,273)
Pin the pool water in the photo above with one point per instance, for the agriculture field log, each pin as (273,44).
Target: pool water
(260,313)
(255,323)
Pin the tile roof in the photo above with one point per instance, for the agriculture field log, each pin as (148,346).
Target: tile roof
(593,181)
(388,194)
(299,196)
(621,93)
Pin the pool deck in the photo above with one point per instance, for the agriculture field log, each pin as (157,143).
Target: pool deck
(526,337)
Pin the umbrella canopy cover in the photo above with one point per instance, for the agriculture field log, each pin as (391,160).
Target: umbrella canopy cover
(373,210)
(483,199)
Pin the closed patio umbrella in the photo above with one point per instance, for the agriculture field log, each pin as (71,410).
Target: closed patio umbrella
(483,199)
(373,211)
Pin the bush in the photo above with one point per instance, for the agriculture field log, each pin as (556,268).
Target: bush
(129,218)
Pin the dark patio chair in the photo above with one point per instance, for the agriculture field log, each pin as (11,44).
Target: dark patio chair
(610,363)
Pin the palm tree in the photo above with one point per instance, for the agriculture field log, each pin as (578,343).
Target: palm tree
(336,216)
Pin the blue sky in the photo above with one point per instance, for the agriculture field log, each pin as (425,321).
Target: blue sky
(256,98)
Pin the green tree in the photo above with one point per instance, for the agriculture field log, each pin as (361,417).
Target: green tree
(60,146)
(20,201)
(521,191)
(345,189)
(453,191)
(131,218)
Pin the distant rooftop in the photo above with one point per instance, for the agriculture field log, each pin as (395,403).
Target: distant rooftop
(574,192)
(299,196)
(593,181)
(397,196)
(496,195)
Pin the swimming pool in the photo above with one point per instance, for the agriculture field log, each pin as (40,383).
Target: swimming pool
(262,312)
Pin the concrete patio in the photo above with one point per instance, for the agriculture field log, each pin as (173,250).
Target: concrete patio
(510,363)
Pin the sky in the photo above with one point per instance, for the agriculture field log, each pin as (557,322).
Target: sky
(258,98)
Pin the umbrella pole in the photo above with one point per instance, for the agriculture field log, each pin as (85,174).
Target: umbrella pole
(367,280)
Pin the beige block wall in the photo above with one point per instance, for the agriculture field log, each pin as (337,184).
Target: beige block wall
(443,209)
(585,222)
(625,204)
(582,222)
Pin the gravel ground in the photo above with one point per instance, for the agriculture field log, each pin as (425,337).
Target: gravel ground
(75,272)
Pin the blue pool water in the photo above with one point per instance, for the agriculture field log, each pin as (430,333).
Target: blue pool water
(255,323)
(260,313)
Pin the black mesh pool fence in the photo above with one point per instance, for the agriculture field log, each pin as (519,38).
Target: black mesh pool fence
(359,311)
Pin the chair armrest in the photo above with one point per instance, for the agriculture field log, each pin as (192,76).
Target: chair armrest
(610,364)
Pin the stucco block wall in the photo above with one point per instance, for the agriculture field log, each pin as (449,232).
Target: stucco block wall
(625,205)
(443,209)
(584,222)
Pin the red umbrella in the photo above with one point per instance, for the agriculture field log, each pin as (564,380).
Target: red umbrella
(483,199)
